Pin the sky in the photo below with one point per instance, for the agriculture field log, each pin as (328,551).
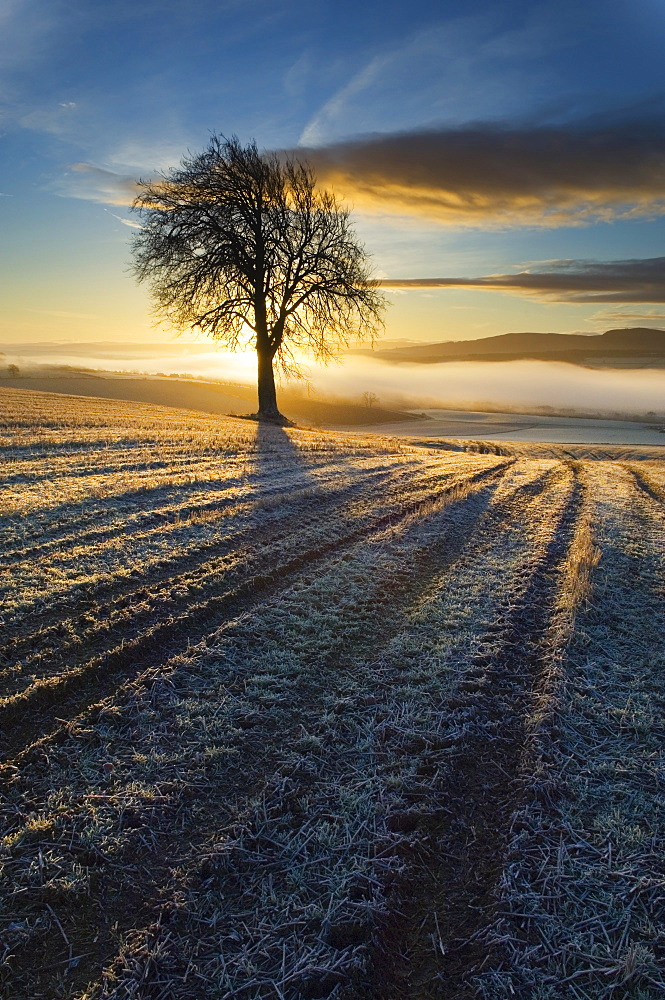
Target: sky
(505,163)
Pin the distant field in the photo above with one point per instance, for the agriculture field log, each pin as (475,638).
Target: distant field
(532,428)
(209,397)
(295,714)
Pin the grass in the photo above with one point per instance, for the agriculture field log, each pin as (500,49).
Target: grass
(297,714)
(585,870)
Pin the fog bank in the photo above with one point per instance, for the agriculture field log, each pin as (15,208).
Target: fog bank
(202,360)
(521,385)
(508,385)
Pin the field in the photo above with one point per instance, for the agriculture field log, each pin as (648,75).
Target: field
(210,397)
(294,714)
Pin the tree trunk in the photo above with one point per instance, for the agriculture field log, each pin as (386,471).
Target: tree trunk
(267,394)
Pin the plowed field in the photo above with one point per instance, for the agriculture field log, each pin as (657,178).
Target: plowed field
(292,714)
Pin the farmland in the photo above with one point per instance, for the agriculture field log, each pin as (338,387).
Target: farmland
(294,714)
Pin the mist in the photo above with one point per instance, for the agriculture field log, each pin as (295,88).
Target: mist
(527,386)
(506,385)
(201,360)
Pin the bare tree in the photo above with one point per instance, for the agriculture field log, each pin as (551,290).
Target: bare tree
(240,244)
(370,399)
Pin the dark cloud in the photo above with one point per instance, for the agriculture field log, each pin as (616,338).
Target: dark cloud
(477,175)
(509,176)
(566,281)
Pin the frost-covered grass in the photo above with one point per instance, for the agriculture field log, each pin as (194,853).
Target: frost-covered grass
(294,653)
(581,895)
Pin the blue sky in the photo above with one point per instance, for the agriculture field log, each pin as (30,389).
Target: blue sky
(472,139)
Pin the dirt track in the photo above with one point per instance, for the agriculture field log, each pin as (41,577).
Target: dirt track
(292,714)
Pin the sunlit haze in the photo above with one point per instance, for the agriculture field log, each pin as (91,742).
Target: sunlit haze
(332,534)
(502,174)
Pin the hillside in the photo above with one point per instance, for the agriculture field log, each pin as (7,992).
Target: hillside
(611,346)
(292,714)
(195,394)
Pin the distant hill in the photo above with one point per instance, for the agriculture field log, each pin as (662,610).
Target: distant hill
(613,345)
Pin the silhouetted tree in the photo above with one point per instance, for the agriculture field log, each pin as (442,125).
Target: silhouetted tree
(240,243)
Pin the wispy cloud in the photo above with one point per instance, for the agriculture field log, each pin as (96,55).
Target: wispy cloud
(335,105)
(565,281)
(648,318)
(58,119)
(458,68)
(91,183)
(488,174)
(126,222)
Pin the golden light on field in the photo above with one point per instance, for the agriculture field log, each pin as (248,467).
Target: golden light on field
(275,659)
(364,698)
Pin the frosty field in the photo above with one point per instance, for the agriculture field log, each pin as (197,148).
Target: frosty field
(295,714)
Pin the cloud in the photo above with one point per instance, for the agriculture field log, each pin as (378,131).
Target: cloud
(648,318)
(335,106)
(565,281)
(455,69)
(59,119)
(27,29)
(482,175)
(502,175)
(126,222)
(83,180)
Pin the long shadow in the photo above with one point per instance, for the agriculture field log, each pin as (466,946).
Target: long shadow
(274,448)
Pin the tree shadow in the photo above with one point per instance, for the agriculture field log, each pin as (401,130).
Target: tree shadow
(278,455)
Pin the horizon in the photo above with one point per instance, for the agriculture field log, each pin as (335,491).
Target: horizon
(500,174)
(205,343)
(330,672)
(528,385)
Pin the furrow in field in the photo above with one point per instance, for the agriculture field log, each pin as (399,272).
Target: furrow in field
(127,514)
(648,483)
(428,945)
(368,585)
(293,526)
(54,511)
(248,487)
(138,560)
(40,503)
(126,510)
(288,668)
(125,595)
(63,469)
(54,500)
(25,716)
(341,796)
(581,896)
(175,536)
(131,510)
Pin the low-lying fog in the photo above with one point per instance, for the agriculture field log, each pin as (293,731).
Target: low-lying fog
(522,385)
(519,385)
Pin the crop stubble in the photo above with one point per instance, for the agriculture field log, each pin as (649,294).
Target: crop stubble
(304,730)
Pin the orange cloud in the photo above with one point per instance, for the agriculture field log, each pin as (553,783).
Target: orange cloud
(492,175)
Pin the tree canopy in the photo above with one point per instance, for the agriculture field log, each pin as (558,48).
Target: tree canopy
(240,244)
